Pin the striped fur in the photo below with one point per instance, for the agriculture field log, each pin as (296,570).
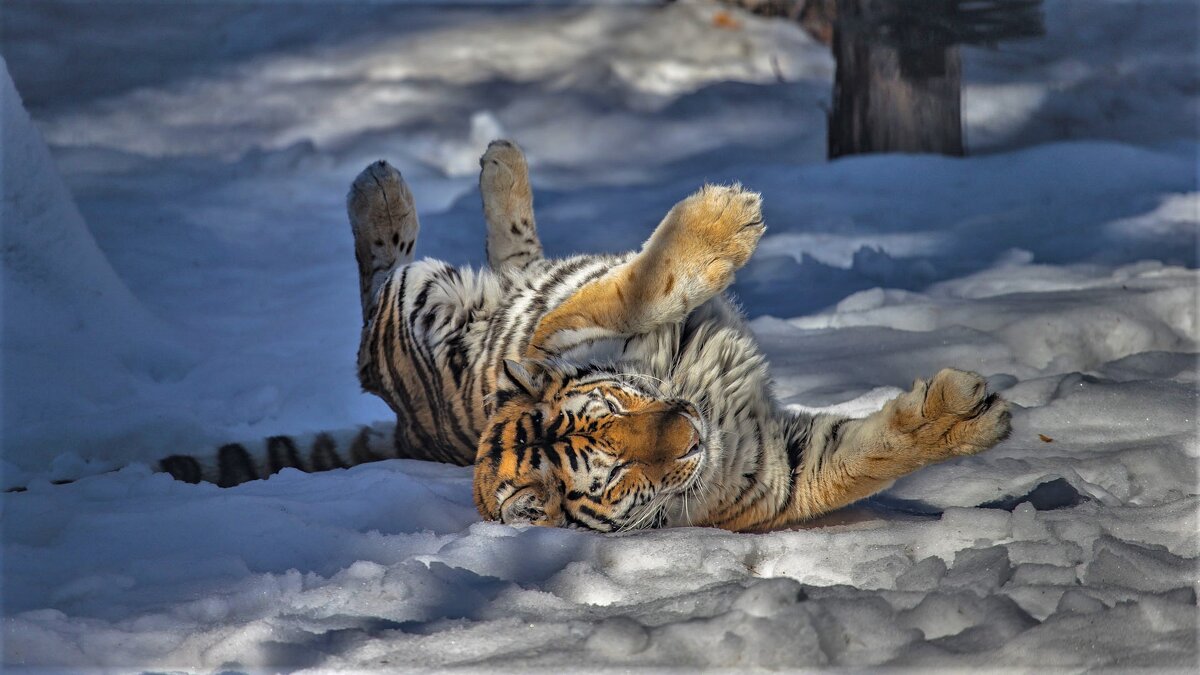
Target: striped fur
(614,392)
(235,463)
(607,392)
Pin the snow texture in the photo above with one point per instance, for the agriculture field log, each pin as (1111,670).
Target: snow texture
(178,273)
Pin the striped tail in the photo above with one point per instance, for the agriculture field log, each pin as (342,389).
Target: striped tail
(236,463)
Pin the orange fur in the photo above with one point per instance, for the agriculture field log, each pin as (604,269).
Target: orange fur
(691,256)
(651,435)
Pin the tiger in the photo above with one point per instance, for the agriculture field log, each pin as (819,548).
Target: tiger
(606,392)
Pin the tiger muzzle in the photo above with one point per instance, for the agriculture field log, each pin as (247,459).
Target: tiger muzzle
(659,435)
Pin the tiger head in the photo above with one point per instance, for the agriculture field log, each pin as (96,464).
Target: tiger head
(584,447)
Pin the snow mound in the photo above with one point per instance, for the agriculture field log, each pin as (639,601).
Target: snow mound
(385,565)
(68,317)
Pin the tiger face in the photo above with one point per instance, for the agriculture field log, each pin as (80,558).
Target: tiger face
(588,448)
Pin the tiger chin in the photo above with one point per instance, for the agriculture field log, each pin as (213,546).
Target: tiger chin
(607,392)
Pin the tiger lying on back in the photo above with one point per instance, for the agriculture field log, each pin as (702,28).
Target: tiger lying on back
(611,392)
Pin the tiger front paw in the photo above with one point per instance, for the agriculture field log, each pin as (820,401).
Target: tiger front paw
(952,415)
(710,235)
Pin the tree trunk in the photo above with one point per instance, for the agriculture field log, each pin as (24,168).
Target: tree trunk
(891,96)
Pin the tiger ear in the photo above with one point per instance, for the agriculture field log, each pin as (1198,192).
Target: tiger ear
(527,505)
(522,378)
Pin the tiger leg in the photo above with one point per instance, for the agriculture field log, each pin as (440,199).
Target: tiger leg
(690,258)
(384,220)
(413,355)
(839,461)
(413,315)
(512,239)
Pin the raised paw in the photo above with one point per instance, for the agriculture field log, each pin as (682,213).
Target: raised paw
(689,259)
(504,182)
(384,220)
(711,234)
(951,415)
(508,206)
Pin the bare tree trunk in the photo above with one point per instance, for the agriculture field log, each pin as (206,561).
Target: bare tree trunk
(899,73)
(889,97)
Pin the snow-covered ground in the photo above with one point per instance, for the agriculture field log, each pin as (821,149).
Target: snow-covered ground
(178,273)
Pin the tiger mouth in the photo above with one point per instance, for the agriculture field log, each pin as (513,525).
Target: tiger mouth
(698,456)
(699,426)
(696,453)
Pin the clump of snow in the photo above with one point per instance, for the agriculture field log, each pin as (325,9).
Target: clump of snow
(385,565)
(211,297)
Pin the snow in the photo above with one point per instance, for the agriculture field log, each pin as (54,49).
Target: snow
(69,299)
(178,274)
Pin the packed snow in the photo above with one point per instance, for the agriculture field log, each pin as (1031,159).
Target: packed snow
(178,273)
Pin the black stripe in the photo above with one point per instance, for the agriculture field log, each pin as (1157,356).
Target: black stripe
(753,480)
(432,378)
(835,432)
(402,404)
(456,356)
(831,445)
(741,501)
(585,280)
(324,456)
(423,295)
(555,456)
(796,446)
(538,306)
(578,495)
(759,464)
(510,256)
(402,339)
(182,467)
(360,448)
(381,357)
(572,520)
(595,515)
(394,338)
(504,396)
(378,312)
(496,445)
(521,439)
(561,425)
(234,466)
(282,454)
(535,421)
